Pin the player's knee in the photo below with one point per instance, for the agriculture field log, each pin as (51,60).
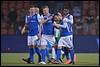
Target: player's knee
(70,49)
(65,48)
(43,46)
(34,46)
(59,47)
(30,46)
(55,46)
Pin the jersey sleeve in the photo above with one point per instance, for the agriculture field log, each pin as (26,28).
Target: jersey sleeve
(64,25)
(39,17)
(25,19)
(70,19)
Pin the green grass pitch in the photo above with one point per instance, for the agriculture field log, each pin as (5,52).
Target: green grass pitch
(15,59)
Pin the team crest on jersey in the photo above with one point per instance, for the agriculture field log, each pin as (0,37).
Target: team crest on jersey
(34,17)
(33,21)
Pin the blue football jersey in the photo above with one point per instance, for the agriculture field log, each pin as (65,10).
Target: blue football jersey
(32,22)
(68,30)
(48,28)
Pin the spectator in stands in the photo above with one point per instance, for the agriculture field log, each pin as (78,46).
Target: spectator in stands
(90,23)
(21,16)
(97,25)
(79,25)
(12,15)
(85,27)
(2,16)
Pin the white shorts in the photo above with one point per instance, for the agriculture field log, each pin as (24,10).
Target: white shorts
(66,41)
(32,40)
(49,38)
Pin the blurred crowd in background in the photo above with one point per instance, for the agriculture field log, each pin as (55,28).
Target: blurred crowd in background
(86,15)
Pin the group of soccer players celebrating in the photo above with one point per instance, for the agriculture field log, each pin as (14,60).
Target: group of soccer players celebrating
(49,31)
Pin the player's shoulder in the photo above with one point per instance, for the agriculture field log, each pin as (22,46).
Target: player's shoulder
(70,15)
(38,15)
(64,19)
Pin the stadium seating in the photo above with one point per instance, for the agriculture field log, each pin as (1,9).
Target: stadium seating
(88,8)
(3,28)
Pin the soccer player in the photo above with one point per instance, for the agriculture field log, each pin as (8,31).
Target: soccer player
(57,30)
(66,36)
(47,33)
(57,20)
(34,32)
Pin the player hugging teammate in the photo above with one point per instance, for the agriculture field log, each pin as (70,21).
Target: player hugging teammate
(54,31)
(66,38)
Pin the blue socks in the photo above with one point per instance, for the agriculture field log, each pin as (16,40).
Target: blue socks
(47,54)
(58,53)
(38,53)
(32,51)
(31,56)
(43,54)
(72,55)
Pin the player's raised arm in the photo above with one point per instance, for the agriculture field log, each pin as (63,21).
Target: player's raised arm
(64,25)
(70,19)
(40,30)
(67,14)
(61,25)
(50,17)
(40,25)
